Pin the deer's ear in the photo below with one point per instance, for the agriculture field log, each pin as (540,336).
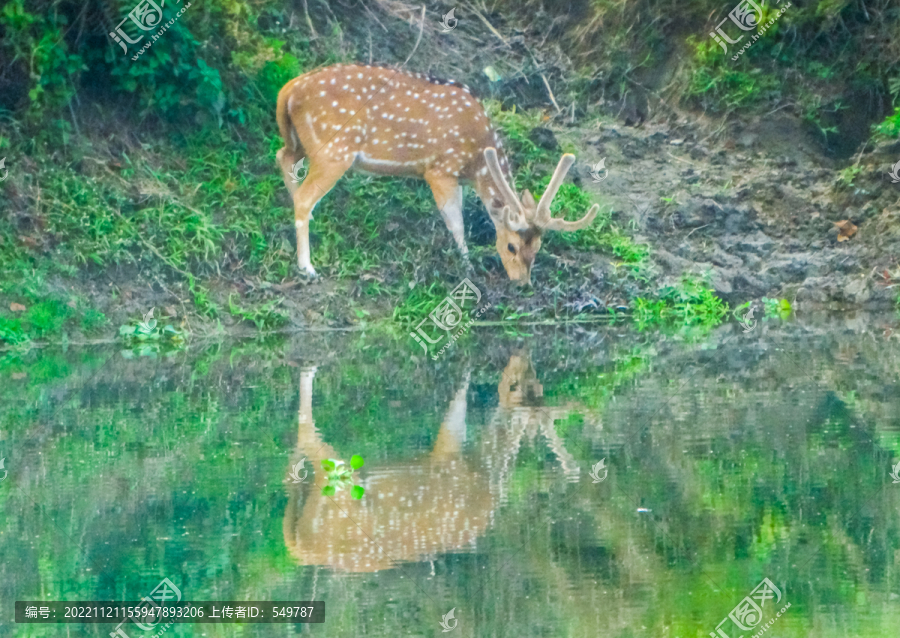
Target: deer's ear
(527,199)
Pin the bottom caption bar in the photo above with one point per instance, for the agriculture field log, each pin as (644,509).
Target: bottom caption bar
(147,614)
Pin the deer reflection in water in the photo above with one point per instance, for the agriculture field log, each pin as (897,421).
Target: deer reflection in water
(415,510)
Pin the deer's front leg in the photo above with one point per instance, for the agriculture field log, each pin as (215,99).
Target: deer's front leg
(448,195)
(321,178)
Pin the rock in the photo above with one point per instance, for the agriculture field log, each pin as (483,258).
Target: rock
(545,138)
(857,290)
(747,140)
(748,285)
(721,258)
(757,243)
(721,282)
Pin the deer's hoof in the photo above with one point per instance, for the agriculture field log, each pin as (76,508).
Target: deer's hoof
(308,272)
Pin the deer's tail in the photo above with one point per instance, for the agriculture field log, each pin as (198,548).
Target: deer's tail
(285,124)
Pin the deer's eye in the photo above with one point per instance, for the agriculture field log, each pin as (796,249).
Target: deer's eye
(511,248)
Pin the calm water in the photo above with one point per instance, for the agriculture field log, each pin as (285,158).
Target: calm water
(726,459)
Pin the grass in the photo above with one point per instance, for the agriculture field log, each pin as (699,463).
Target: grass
(690,303)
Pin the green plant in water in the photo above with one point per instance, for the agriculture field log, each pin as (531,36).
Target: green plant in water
(341,477)
(145,335)
(780,308)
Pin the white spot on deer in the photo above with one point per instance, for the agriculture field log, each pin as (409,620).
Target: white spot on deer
(334,103)
(342,110)
(332,80)
(450,150)
(356,139)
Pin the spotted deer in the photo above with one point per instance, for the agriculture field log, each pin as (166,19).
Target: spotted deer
(415,510)
(389,122)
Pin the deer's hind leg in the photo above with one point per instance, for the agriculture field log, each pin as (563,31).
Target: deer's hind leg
(287,158)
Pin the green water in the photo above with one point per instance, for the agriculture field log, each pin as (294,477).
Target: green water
(728,458)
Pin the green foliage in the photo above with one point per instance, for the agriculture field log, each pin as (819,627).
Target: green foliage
(780,308)
(690,303)
(265,316)
(847,175)
(721,83)
(146,336)
(340,477)
(35,42)
(890,127)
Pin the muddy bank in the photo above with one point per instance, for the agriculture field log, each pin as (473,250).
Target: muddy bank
(755,206)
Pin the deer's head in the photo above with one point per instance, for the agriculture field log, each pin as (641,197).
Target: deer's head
(521,222)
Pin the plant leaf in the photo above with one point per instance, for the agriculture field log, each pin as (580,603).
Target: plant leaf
(357,491)
(328,465)
(328,490)
(356,461)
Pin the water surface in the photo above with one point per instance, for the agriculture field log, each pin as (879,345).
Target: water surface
(726,459)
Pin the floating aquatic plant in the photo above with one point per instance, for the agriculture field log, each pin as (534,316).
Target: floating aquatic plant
(340,476)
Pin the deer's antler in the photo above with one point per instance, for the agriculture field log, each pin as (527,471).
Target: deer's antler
(511,215)
(542,216)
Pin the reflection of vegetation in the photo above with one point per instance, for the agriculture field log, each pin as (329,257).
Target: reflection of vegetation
(340,477)
(184,486)
(689,303)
